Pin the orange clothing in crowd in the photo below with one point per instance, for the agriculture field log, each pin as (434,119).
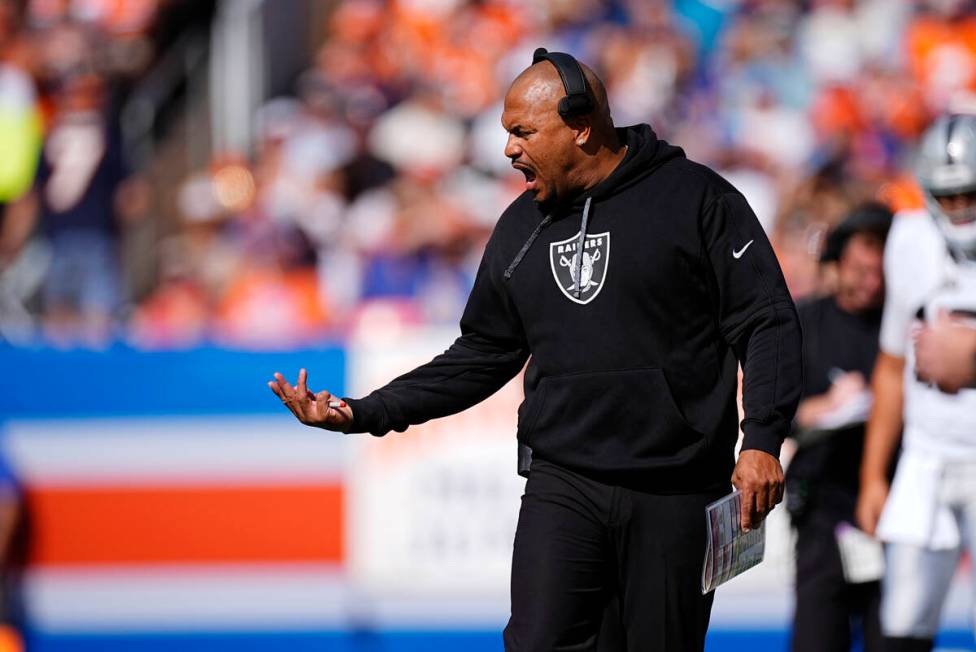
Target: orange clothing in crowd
(264,306)
(942,56)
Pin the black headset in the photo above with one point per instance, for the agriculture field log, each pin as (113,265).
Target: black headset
(579,97)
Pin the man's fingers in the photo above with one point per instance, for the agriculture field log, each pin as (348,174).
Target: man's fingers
(284,399)
(748,509)
(285,386)
(274,388)
(870,505)
(759,478)
(867,518)
(302,383)
(322,400)
(279,392)
(772,497)
(319,403)
(292,398)
(758,501)
(762,505)
(288,396)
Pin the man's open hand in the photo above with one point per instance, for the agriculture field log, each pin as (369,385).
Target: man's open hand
(309,408)
(759,477)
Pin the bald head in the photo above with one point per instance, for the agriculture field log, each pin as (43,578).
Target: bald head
(541,84)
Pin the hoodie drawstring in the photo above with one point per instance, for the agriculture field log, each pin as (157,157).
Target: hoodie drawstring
(579,245)
(528,243)
(578,277)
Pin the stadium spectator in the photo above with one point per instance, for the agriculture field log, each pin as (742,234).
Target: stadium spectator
(805,108)
(940,44)
(20,120)
(834,607)
(78,198)
(21,268)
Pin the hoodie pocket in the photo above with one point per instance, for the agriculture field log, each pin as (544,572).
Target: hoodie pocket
(612,419)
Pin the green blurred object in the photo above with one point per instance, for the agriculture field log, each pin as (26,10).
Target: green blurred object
(20,142)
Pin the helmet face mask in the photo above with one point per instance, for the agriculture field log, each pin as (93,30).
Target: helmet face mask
(959,208)
(946,171)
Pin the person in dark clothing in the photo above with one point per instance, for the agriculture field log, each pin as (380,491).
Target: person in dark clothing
(634,281)
(840,344)
(83,192)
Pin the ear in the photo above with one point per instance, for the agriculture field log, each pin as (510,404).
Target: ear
(582,130)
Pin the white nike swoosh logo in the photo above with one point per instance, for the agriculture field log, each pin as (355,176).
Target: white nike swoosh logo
(738,254)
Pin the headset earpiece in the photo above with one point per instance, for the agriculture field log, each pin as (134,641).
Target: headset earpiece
(579,97)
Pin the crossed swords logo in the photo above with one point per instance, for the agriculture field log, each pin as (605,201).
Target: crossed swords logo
(586,270)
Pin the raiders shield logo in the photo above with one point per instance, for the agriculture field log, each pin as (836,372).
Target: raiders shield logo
(596,257)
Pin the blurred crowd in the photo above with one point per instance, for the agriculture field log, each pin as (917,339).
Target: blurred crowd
(372,188)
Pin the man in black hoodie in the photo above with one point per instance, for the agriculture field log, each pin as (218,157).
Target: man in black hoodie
(630,411)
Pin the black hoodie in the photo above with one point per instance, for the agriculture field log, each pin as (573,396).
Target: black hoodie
(633,373)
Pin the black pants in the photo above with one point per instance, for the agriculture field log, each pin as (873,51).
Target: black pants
(828,609)
(599,567)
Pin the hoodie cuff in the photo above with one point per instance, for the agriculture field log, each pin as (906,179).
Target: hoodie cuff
(367,415)
(764,436)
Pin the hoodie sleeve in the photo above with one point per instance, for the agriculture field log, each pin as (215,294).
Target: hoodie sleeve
(757,318)
(489,352)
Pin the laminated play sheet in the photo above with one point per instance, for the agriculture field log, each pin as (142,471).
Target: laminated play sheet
(729,550)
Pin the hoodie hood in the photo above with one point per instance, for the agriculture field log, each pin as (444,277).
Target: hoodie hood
(645,154)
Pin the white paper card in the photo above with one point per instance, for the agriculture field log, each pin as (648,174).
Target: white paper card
(861,555)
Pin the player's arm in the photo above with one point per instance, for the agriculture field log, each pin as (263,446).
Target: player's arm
(758,319)
(471,370)
(881,438)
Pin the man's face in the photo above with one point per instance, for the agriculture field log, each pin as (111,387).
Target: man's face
(540,144)
(960,208)
(860,273)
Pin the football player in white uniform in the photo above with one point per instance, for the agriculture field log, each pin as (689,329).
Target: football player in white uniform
(928,513)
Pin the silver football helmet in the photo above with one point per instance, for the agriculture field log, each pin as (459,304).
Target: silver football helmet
(946,166)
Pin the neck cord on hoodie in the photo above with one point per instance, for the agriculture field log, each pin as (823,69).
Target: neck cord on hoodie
(535,234)
(578,277)
(528,243)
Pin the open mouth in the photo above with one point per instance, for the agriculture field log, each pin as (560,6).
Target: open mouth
(962,216)
(530,178)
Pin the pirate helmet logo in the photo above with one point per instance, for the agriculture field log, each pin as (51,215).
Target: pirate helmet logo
(564,261)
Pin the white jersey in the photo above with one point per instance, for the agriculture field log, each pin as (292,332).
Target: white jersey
(940,429)
(922,279)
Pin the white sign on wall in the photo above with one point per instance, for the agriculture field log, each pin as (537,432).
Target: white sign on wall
(433,510)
